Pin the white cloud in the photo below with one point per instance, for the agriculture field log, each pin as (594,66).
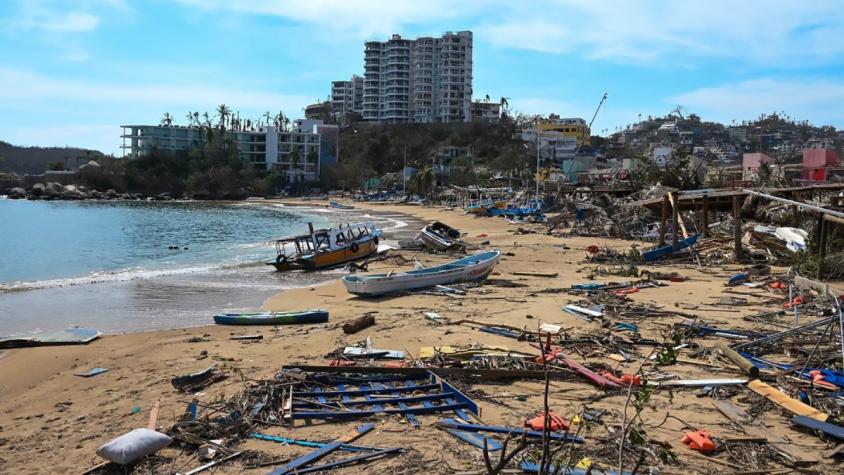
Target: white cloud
(768,31)
(24,87)
(820,101)
(363,18)
(63,23)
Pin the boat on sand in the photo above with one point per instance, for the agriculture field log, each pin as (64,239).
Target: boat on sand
(473,268)
(272,318)
(323,248)
(439,236)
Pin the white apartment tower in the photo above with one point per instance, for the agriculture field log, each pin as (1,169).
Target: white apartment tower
(423,80)
(347,96)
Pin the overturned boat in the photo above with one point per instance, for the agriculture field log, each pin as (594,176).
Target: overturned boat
(324,248)
(468,269)
(338,205)
(439,236)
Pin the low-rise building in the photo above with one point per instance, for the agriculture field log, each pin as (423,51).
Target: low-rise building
(751,163)
(553,145)
(319,111)
(661,155)
(816,161)
(485,111)
(574,127)
(298,152)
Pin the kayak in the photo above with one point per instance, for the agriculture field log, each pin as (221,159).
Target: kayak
(272,318)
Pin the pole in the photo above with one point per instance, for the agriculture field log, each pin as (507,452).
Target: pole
(821,246)
(675,214)
(404,174)
(797,203)
(537,163)
(705,220)
(662,220)
(737,226)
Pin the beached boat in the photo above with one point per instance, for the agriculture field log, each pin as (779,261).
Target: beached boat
(272,318)
(472,268)
(438,236)
(323,248)
(338,205)
(664,251)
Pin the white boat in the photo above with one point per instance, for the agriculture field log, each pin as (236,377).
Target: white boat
(472,268)
(439,236)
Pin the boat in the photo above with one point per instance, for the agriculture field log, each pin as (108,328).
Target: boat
(323,248)
(438,235)
(472,268)
(664,251)
(272,318)
(338,205)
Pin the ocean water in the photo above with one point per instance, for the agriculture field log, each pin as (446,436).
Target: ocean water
(134,266)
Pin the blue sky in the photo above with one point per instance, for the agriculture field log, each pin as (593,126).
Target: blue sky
(72,71)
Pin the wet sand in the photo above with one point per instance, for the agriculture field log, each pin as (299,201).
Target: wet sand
(52,421)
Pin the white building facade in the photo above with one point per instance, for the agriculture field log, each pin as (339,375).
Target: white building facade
(295,152)
(423,80)
(347,97)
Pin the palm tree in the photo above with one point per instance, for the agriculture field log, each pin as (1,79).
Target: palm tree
(167,120)
(189,117)
(223,112)
(295,158)
(207,119)
(280,119)
(267,117)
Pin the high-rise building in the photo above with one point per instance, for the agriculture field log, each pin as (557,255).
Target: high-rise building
(347,97)
(423,80)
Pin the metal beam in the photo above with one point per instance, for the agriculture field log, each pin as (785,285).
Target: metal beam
(799,204)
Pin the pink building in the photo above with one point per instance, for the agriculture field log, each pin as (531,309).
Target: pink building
(750,163)
(815,162)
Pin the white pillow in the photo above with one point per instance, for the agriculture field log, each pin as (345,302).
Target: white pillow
(133,445)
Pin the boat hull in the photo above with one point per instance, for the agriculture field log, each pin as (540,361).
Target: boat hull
(664,251)
(472,268)
(324,260)
(272,318)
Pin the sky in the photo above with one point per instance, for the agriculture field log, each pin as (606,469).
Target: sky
(73,71)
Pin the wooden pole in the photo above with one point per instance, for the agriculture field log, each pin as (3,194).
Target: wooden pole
(737,359)
(663,219)
(737,226)
(821,246)
(705,222)
(675,214)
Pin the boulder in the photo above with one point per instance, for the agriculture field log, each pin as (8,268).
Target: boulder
(17,193)
(71,192)
(53,189)
(111,194)
(37,189)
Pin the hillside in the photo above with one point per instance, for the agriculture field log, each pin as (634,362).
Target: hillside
(34,160)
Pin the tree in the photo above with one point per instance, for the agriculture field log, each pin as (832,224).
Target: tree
(189,117)
(295,158)
(56,166)
(223,112)
(167,120)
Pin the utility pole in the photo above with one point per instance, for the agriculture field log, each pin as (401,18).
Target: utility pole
(404,174)
(537,163)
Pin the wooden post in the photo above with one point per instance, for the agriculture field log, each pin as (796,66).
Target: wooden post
(675,214)
(821,246)
(737,225)
(738,360)
(663,219)
(705,221)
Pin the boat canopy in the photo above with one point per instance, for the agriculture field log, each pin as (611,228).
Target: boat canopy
(324,240)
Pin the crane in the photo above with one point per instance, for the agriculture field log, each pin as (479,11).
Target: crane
(604,98)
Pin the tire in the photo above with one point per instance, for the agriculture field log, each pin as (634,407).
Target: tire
(355,247)
(281,258)
(375,240)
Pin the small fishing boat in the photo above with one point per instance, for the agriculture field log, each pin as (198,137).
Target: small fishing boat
(438,236)
(664,251)
(323,248)
(338,205)
(272,318)
(472,268)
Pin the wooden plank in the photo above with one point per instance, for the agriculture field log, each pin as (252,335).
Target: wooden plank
(475,440)
(321,452)
(679,216)
(738,360)
(153,416)
(825,427)
(751,427)
(588,373)
(783,400)
(536,274)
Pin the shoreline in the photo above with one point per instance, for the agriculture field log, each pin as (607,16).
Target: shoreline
(42,404)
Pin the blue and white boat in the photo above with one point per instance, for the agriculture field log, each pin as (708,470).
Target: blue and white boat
(472,268)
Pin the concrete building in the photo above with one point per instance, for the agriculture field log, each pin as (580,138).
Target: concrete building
(347,97)
(298,152)
(488,112)
(318,111)
(816,161)
(661,155)
(573,127)
(553,145)
(751,163)
(423,80)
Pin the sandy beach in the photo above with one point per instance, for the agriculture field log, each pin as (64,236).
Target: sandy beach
(52,421)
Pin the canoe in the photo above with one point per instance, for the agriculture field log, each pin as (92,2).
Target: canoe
(472,268)
(664,251)
(272,318)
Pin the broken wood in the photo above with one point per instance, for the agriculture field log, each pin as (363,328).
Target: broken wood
(783,400)
(536,274)
(358,324)
(738,360)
